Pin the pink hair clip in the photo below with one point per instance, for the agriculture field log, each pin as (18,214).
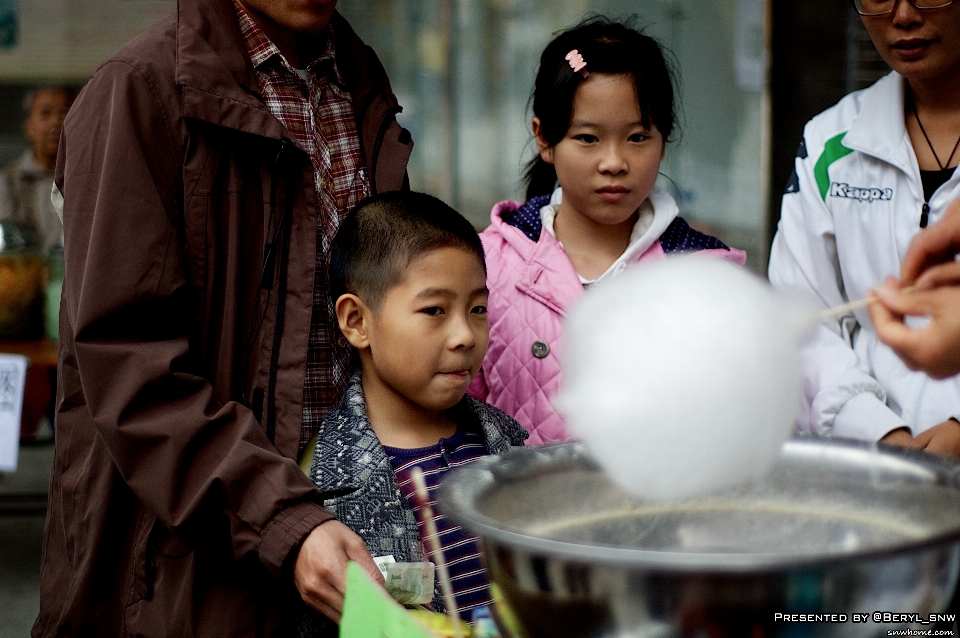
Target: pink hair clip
(577,63)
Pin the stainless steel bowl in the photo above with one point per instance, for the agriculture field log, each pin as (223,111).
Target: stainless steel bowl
(834,528)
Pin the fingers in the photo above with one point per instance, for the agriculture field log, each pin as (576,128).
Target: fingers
(901,437)
(915,302)
(934,348)
(360,555)
(887,316)
(924,438)
(890,328)
(947,274)
(938,243)
(913,346)
(321,566)
(318,600)
(943,438)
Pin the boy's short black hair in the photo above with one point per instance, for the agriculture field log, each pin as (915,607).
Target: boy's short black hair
(381,236)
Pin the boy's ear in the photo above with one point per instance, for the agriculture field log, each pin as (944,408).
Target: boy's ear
(546,151)
(353,316)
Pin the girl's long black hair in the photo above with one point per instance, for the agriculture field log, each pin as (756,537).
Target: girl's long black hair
(607,47)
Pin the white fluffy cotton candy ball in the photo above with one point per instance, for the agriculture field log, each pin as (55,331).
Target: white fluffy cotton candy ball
(682,375)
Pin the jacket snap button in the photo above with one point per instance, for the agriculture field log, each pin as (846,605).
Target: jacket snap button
(342,342)
(540,348)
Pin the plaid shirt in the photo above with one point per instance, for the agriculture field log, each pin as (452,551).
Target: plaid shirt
(318,112)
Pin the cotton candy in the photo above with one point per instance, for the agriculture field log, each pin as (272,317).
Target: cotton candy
(683,375)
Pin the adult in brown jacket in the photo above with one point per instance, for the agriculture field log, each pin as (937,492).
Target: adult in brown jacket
(176,504)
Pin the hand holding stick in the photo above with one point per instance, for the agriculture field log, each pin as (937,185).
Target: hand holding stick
(842,309)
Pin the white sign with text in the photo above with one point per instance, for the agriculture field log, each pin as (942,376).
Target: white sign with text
(13,374)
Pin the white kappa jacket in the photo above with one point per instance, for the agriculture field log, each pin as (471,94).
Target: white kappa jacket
(849,213)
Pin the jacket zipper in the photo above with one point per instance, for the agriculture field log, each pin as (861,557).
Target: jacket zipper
(281,310)
(924,214)
(920,399)
(267,270)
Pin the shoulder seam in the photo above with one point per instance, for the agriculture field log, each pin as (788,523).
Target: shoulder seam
(171,138)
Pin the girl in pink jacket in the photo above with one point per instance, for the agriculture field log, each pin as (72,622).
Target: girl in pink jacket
(603,114)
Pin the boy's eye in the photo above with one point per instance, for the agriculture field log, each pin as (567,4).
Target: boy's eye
(433,311)
(586,138)
(479,310)
(638,137)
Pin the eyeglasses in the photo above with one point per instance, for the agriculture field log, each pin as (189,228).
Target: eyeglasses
(883,7)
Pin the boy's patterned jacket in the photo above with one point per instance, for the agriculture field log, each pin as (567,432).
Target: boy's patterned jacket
(353,471)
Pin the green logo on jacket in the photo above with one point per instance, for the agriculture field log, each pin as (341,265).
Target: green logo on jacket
(832,151)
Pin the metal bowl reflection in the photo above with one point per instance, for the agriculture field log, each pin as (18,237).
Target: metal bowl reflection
(834,528)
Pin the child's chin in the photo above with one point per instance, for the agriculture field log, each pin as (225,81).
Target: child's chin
(445,400)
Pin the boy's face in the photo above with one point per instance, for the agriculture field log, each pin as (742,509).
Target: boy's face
(428,337)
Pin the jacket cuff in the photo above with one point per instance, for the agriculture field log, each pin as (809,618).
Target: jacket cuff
(284,534)
(867,418)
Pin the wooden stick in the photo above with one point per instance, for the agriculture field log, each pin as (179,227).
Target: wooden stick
(433,541)
(842,309)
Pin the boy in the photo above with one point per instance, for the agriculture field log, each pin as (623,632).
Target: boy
(409,279)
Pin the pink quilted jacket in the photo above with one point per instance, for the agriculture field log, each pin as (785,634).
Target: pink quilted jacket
(532,283)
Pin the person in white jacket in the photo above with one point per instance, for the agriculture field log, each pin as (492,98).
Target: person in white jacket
(871,172)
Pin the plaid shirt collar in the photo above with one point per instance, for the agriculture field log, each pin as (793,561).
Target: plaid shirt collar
(261,50)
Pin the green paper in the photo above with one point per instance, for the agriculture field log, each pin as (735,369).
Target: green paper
(369,612)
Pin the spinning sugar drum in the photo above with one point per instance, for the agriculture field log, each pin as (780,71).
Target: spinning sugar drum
(832,528)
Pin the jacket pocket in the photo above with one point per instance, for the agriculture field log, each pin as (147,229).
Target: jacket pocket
(158,554)
(141,582)
(155,544)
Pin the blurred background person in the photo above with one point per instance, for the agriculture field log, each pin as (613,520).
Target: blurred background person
(26,182)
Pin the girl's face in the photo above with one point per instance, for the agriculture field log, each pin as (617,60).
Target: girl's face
(918,44)
(607,162)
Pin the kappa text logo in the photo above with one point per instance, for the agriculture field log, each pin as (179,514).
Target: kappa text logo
(861,194)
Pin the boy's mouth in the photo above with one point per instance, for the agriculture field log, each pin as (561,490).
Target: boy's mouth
(457,374)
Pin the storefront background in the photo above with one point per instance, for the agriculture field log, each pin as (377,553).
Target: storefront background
(467,105)
(463,70)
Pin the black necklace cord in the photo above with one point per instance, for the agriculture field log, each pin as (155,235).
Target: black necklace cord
(916,116)
(942,166)
(925,210)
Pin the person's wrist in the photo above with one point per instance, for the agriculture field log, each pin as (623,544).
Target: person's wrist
(898,436)
(283,537)
(290,564)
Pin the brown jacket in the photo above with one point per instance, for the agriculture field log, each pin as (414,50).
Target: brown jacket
(175,509)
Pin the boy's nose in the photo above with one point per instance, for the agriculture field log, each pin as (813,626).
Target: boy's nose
(462,334)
